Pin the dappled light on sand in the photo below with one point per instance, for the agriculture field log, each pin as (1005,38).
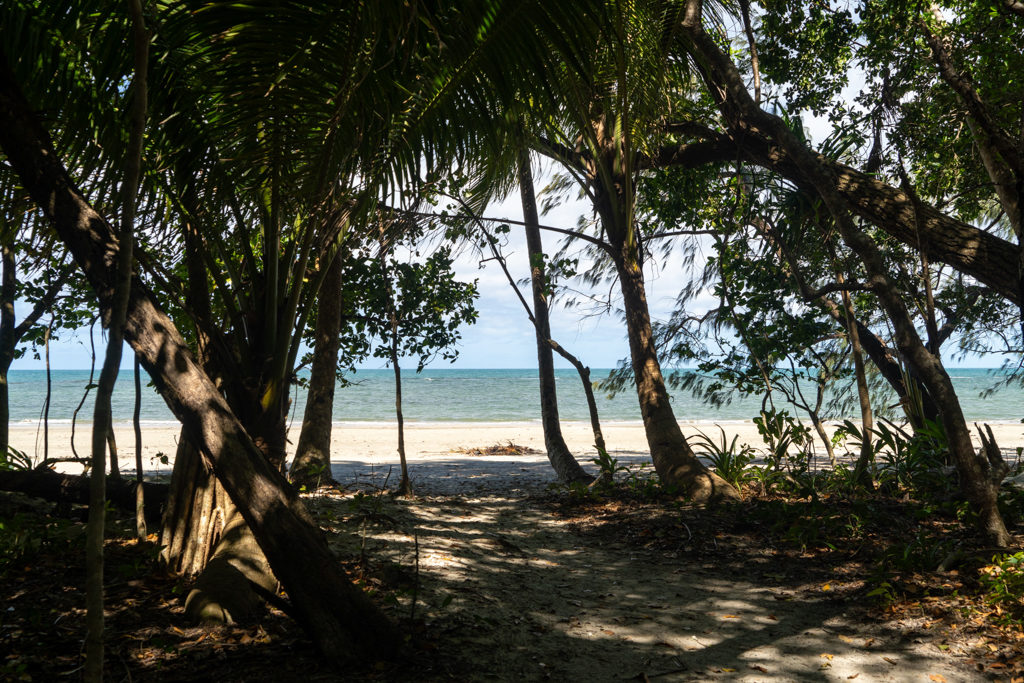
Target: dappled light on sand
(522,586)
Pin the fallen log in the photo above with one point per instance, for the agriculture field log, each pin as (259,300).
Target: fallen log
(67,489)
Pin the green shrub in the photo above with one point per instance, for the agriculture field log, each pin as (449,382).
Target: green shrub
(728,458)
(1003,581)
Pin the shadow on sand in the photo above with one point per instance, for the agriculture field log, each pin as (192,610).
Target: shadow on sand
(513,590)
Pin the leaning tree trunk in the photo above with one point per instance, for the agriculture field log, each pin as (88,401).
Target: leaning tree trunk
(337,615)
(588,391)
(673,458)
(312,464)
(828,181)
(559,455)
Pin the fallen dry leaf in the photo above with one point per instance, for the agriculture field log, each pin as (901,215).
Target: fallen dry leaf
(757,667)
(938,678)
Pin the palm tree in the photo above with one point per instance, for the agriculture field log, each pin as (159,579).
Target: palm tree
(277,125)
(607,127)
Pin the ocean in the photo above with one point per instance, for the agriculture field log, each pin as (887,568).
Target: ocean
(453,395)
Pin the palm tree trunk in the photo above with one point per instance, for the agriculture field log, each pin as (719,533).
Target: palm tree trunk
(674,460)
(312,464)
(559,456)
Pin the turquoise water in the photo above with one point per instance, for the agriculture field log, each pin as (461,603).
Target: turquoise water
(448,395)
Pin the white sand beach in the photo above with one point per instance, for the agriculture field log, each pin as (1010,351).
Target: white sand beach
(356,447)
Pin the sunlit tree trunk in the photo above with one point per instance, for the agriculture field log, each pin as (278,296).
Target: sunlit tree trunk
(673,458)
(559,455)
(311,466)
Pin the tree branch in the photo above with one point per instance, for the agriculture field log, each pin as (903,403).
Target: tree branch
(601,244)
(962,86)
(41,306)
(691,155)
(1014,6)
(837,287)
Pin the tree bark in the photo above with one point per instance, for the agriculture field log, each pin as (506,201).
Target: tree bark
(5,410)
(879,353)
(340,618)
(991,260)
(673,458)
(102,427)
(115,470)
(312,464)
(224,591)
(559,455)
(140,501)
(195,514)
(867,451)
(405,486)
(8,344)
(588,391)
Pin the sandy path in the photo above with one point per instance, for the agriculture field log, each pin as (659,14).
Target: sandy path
(521,593)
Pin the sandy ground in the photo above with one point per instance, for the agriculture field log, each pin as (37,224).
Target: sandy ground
(365,446)
(522,593)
